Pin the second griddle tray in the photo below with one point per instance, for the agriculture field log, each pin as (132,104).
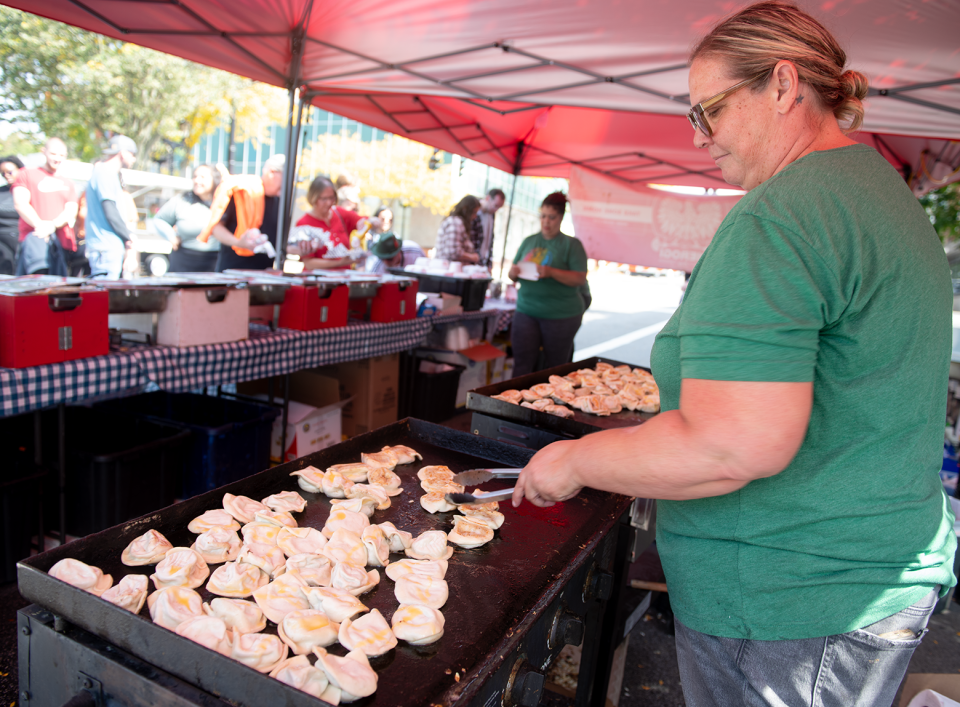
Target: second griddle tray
(481,400)
(497,591)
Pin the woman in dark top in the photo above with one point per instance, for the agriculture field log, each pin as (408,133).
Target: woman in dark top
(9,218)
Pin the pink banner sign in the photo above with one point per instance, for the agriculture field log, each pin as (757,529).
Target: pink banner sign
(638,225)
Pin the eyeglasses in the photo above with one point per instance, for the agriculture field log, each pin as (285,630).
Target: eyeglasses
(696,116)
(8,172)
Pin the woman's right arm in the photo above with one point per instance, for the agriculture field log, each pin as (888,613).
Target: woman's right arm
(326,263)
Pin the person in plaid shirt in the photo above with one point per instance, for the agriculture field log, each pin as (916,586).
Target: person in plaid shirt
(453,238)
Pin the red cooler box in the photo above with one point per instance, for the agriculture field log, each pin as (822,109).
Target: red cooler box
(50,320)
(394,301)
(314,304)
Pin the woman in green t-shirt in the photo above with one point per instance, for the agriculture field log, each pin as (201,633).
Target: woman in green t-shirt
(549,309)
(801,521)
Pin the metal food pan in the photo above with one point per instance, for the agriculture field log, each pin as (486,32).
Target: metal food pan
(481,400)
(497,592)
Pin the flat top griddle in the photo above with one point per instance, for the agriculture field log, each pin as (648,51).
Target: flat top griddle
(496,591)
(481,400)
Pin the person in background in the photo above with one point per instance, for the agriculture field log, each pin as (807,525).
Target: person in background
(549,309)
(9,218)
(390,252)
(243,217)
(801,519)
(385,214)
(321,237)
(47,205)
(108,243)
(182,219)
(453,237)
(481,230)
(348,198)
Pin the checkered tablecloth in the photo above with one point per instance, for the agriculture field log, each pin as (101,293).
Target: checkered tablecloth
(26,389)
(265,353)
(504,311)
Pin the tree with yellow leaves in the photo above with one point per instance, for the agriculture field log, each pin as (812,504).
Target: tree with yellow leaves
(390,168)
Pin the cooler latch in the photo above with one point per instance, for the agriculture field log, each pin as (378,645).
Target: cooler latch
(323,313)
(65,334)
(403,306)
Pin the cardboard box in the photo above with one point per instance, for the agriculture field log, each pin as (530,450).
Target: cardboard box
(477,360)
(946,684)
(374,386)
(313,415)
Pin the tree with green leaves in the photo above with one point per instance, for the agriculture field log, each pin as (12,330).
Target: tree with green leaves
(82,86)
(943,208)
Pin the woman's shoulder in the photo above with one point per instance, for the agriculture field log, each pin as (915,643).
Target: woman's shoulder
(309,220)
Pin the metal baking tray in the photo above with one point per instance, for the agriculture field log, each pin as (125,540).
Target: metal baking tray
(497,592)
(580,424)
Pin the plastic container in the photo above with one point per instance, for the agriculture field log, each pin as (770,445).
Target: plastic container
(20,489)
(472,291)
(433,395)
(230,439)
(118,467)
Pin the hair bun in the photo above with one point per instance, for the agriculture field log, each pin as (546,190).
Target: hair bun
(854,84)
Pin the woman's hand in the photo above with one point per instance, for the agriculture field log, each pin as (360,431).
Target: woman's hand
(514,272)
(175,242)
(544,271)
(549,478)
(470,258)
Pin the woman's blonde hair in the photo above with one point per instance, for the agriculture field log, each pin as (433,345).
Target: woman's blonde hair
(756,38)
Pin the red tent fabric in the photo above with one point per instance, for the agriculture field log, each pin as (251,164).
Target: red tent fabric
(537,87)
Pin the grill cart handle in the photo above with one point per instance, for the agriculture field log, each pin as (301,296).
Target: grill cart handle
(217,294)
(64,303)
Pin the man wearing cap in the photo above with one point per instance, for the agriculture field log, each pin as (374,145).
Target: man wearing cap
(108,241)
(389,252)
(47,205)
(482,232)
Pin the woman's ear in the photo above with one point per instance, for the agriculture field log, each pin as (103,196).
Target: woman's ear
(787,83)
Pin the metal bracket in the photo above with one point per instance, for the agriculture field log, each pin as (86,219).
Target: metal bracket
(90,684)
(324,313)
(65,335)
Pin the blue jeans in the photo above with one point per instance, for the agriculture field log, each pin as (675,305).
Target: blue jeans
(106,260)
(862,668)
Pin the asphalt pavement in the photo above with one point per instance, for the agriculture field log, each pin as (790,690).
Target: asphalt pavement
(626,313)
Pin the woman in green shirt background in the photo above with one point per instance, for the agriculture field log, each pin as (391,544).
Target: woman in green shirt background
(549,309)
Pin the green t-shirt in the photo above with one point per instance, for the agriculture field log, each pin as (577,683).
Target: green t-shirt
(828,272)
(549,298)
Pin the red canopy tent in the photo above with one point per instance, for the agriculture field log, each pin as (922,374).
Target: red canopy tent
(539,87)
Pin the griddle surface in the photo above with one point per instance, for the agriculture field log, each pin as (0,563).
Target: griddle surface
(496,591)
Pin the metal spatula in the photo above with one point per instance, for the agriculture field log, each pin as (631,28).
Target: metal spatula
(461,498)
(473,477)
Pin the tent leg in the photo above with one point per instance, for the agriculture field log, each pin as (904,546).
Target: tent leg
(289,188)
(513,191)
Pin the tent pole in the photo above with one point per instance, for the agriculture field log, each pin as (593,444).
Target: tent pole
(513,191)
(288,188)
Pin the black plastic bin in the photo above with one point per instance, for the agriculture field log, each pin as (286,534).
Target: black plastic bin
(231,439)
(20,489)
(118,468)
(472,292)
(433,396)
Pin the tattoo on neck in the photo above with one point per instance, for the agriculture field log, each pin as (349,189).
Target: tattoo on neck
(800,99)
